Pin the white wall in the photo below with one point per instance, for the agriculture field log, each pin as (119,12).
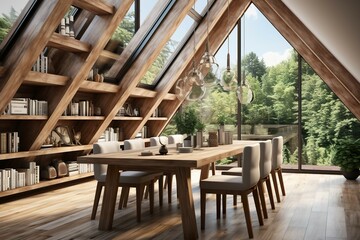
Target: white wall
(336,23)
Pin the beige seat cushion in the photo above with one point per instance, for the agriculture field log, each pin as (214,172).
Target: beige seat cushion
(233,171)
(228,182)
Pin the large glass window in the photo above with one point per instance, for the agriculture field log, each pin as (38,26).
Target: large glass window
(168,51)
(10,10)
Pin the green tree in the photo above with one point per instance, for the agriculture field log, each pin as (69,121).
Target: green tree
(253,65)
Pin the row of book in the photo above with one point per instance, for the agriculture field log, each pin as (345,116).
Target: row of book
(66,27)
(9,142)
(41,64)
(143,133)
(27,106)
(81,108)
(11,178)
(112,134)
(75,168)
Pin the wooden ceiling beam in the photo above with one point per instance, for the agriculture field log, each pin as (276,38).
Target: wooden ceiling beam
(168,26)
(77,68)
(28,47)
(218,32)
(330,70)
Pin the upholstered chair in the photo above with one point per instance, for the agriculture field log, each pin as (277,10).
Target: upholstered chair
(139,144)
(265,168)
(277,159)
(236,185)
(155,141)
(137,179)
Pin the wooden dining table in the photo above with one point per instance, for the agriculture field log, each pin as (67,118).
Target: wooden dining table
(179,163)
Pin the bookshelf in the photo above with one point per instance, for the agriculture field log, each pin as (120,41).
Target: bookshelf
(60,85)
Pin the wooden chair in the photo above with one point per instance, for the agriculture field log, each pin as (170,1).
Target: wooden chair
(277,159)
(139,144)
(137,179)
(236,185)
(265,168)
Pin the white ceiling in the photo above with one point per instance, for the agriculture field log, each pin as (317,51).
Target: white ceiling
(336,24)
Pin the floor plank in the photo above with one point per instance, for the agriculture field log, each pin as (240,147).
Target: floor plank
(315,207)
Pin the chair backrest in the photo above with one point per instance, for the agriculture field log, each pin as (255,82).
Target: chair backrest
(251,165)
(154,141)
(277,150)
(104,147)
(174,139)
(265,158)
(134,144)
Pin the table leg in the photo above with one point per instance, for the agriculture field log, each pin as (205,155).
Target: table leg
(186,203)
(109,200)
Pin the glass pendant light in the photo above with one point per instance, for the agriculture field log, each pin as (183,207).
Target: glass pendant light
(228,80)
(197,92)
(244,92)
(182,88)
(194,75)
(208,64)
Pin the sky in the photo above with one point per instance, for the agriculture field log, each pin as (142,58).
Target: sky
(260,36)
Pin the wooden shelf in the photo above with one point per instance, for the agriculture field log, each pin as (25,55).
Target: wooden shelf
(68,44)
(109,55)
(44,151)
(44,184)
(158,118)
(128,118)
(23,117)
(97,87)
(92,118)
(38,78)
(98,7)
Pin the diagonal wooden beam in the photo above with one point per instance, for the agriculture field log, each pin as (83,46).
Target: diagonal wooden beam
(331,71)
(77,68)
(28,47)
(111,104)
(219,30)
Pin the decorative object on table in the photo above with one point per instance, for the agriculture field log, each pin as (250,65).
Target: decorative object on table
(185,149)
(186,122)
(213,139)
(200,127)
(62,136)
(146,153)
(345,153)
(163,149)
(61,168)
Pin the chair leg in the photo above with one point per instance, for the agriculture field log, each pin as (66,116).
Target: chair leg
(124,197)
(218,204)
(281,181)
(234,200)
(169,178)
(161,190)
(257,206)
(273,175)
(96,200)
(151,196)
(146,195)
(203,207)
(245,203)
(262,198)
(224,205)
(139,196)
(268,186)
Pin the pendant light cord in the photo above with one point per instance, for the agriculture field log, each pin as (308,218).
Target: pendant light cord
(244,50)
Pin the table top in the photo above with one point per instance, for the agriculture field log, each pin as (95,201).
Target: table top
(198,158)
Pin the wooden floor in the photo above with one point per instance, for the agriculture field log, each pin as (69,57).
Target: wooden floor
(316,207)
